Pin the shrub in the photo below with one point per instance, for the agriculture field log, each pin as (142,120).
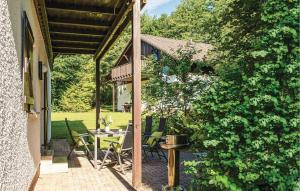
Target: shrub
(251,114)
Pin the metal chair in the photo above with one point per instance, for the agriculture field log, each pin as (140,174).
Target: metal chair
(152,145)
(148,129)
(77,139)
(119,150)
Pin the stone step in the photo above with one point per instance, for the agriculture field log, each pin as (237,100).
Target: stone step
(47,157)
(59,162)
(58,165)
(60,159)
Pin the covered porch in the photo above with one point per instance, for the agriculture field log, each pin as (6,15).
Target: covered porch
(91,27)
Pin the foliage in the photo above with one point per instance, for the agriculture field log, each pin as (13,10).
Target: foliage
(172,87)
(80,96)
(251,113)
(73,79)
(106,121)
(66,71)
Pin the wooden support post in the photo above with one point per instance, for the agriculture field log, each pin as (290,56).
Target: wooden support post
(113,98)
(97,93)
(136,99)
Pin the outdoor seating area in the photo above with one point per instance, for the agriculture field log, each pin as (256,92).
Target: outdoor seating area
(100,159)
(119,148)
(111,166)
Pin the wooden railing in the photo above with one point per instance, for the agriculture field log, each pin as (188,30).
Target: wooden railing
(122,72)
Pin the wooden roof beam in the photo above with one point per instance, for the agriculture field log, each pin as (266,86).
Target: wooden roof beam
(78,38)
(73,51)
(82,8)
(74,45)
(119,20)
(61,30)
(76,42)
(68,21)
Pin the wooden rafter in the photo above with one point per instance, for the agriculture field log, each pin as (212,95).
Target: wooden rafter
(76,42)
(79,22)
(117,27)
(76,32)
(57,44)
(117,33)
(64,37)
(73,51)
(93,22)
(75,8)
(121,17)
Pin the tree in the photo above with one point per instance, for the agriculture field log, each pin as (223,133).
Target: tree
(66,71)
(172,86)
(79,97)
(251,113)
(73,78)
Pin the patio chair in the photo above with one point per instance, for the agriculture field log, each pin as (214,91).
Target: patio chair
(119,150)
(148,129)
(77,139)
(152,145)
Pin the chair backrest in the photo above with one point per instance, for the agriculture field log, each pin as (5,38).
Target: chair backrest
(162,125)
(128,138)
(154,138)
(70,131)
(148,128)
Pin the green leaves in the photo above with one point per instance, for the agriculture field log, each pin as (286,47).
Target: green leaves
(261,53)
(173,87)
(251,115)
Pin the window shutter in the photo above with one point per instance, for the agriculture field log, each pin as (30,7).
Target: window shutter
(27,64)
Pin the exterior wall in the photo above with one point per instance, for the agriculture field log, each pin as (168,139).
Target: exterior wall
(124,95)
(19,131)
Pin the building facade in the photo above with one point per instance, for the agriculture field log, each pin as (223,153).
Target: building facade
(121,74)
(24,113)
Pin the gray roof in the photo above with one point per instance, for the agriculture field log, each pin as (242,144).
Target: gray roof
(170,46)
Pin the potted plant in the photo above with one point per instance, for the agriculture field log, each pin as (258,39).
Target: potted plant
(106,122)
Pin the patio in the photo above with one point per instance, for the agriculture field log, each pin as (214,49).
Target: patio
(82,175)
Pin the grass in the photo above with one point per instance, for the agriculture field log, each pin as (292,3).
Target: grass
(83,121)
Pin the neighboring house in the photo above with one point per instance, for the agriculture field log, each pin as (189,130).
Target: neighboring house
(24,94)
(121,74)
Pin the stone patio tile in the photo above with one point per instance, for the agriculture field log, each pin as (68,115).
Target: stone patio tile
(82,176)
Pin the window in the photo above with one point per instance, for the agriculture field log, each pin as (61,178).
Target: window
(27,64)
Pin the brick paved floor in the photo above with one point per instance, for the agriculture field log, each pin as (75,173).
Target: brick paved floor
(83,177)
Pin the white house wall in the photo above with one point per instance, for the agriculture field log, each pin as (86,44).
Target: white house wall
(124,95)
(19,131)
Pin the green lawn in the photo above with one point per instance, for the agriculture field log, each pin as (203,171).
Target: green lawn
(83,121)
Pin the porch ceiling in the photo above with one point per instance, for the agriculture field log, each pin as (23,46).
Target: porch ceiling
(82,26)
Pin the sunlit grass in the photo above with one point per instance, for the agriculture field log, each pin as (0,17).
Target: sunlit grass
(83,121)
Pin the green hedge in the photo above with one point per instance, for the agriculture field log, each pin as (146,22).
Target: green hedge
(251,113)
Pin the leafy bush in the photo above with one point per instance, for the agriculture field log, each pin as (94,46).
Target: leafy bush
(172,87)
(251,113)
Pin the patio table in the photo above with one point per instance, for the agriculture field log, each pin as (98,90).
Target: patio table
(98,134)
